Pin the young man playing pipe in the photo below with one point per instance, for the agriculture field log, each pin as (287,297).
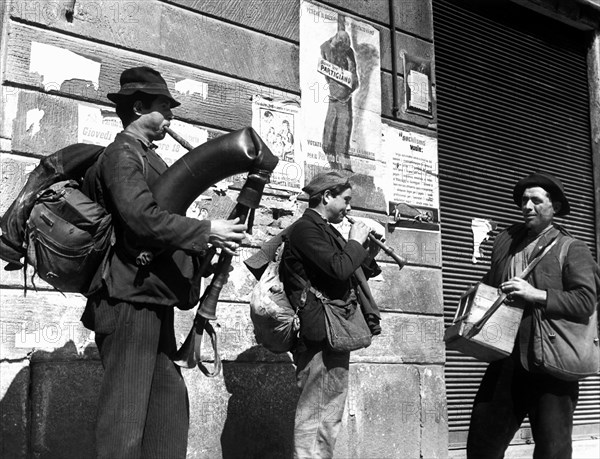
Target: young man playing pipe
(317,253)
(143,405)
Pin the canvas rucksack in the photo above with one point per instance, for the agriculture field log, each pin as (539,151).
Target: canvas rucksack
(275,321)
(68,237)
(62,233)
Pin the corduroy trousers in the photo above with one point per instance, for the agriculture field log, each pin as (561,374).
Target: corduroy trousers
(143,410)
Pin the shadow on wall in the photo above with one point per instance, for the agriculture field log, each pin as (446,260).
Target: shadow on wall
(49,409)
(261,407)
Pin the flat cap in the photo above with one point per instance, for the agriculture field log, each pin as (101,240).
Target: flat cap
(325,181)
(548,182)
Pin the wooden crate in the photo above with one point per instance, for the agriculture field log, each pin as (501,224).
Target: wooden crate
(497,337)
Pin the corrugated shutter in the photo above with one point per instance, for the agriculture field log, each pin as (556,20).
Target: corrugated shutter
(512,97)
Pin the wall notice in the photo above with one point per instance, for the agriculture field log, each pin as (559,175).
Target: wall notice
(412,179)
(277,124)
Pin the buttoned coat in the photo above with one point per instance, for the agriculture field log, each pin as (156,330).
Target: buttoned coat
(122,184)
(314,252)
(571,288)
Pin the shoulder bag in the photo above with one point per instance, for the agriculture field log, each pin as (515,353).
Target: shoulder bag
(347,329)
(563,348)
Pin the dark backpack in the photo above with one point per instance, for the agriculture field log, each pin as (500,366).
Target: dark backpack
(68,237)
(55,227)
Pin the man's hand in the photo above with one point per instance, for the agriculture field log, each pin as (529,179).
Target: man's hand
(372,247)
(520,288)
(227,234)
(359,232)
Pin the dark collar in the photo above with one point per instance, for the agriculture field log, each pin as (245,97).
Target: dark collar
(315,217)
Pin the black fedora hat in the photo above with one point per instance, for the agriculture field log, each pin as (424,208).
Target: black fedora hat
(549,183)
(142,79)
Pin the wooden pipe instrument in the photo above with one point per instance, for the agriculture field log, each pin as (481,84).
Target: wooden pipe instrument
(233,153)
(400,261)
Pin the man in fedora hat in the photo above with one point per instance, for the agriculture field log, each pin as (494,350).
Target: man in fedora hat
(316,252)
(143,405)
(561,286)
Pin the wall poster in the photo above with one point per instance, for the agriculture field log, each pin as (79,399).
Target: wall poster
(277,124)
(341,99)
(412,177)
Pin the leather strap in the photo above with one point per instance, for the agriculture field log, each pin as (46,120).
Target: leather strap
(200,328)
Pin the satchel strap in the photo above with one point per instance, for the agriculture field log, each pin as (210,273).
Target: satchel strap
(564,249)
(306,288)
(537,259)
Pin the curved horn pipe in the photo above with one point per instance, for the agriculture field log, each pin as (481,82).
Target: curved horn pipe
(183,182)
(191,175)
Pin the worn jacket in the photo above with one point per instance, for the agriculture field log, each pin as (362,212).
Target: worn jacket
(122,184)
(313,251)
(571,291)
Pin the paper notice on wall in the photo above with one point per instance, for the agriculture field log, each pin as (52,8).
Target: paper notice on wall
(97,126)
(277,123)
(100,126)
(481,229)
(412,170)
(419,85)
(56,65)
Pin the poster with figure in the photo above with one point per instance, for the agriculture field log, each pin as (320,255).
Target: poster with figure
(412,177)
(276,122)
(340,84)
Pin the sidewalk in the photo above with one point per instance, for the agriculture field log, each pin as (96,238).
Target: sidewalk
(582,449)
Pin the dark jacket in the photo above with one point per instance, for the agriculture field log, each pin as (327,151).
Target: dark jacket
(120,183)
(571,291)
(314,252)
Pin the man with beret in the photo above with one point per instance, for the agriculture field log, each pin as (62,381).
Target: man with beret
(316,252)
(143,406)
(517,386)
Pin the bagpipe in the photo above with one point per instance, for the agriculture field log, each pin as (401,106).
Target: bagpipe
(175,190)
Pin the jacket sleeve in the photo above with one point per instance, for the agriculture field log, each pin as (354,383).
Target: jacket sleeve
(339,264)
(577,298)
(134,204)
(371,268)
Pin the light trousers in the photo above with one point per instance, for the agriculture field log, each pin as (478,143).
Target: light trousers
(322,375)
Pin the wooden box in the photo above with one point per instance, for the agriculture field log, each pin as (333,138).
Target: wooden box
(497,337)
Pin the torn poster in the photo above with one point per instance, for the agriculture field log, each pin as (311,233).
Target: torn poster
(276,122)
(481,229)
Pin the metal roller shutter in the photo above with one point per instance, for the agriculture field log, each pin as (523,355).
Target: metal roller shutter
(512,97)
